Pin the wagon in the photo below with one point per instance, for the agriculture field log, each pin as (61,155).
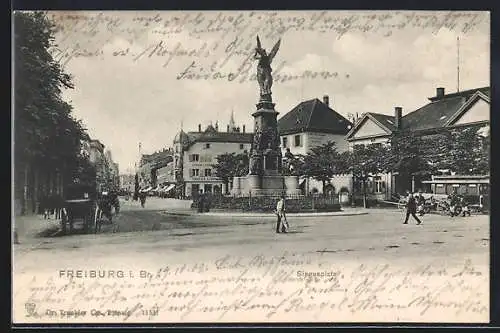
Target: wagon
(80,210)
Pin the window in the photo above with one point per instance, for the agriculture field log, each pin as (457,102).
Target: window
(195,172)
(241,146)
(379,186)
(194,158)
(285,142)
(208,172)
(207,145)
(298,140)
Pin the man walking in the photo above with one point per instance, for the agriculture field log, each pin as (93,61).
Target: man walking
(411,209)
(281,223)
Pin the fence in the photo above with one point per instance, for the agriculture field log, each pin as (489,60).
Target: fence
(294,203)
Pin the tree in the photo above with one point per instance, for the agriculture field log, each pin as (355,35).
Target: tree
(467,151)
(46,134)
(409,155)
(231,165)
(364,161)
(322,162)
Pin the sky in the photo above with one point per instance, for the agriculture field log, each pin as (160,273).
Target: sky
(134,82)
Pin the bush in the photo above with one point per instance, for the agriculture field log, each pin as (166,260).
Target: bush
(268,204)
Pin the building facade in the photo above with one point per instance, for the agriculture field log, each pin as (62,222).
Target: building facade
(310,124)
(127,182)
(443,112)
(195,154)
(150,164)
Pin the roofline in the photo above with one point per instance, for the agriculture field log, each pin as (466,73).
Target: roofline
(473,99)
(456,94)
(369,115)
(222,140)
(355,126)
(295,131)
(369,137)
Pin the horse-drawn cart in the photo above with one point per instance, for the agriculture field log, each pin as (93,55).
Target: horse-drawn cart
(80,210)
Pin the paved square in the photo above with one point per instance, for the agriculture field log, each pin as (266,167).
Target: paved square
(163,268)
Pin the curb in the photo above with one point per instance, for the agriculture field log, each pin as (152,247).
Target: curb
(229,214)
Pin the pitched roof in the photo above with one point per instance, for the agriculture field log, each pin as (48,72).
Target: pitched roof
(437,113)
(470,92)
(314,116)
(434,115)
(385,120)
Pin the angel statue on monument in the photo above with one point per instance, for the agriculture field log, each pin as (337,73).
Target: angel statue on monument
(264,70)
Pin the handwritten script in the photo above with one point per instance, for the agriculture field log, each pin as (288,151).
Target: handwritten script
(220,46)
(286,288)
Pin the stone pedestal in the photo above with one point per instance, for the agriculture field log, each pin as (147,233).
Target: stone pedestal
(265,176)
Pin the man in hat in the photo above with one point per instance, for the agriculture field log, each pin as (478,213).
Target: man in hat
(411,209)
(281,223)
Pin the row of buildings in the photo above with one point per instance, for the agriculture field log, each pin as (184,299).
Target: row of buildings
(35,182)
(312,123)
(107,171)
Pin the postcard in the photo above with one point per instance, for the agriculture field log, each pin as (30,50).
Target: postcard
(251,167)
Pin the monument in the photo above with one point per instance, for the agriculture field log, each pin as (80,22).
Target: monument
(265,169)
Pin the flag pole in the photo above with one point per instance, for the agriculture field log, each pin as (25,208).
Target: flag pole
(458,64)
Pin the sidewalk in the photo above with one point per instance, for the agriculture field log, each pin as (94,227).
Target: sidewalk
(29,226)
(344,212)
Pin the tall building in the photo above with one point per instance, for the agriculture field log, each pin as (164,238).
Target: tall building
(195,154)
(150,164)
(98,159)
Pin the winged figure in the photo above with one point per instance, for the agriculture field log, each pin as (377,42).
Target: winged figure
(264,70)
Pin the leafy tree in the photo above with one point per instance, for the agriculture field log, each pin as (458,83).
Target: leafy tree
(467,151)
(322,162)
(231,165)
(408,154)
(411,155)
(363,161)
(46,133)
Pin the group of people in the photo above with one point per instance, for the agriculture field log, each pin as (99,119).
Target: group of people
(203,202)
(416,204)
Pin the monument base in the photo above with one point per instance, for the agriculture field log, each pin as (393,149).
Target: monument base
(268,185)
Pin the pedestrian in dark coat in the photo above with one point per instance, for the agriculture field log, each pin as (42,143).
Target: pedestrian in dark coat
(201,202)
(411,209)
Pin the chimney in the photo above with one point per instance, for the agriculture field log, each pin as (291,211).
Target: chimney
(326,100)
(398,114)
(228,128)
(243,128)
(439,92)
(199,127)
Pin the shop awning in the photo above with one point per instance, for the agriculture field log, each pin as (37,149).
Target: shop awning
(457,181)
(169,188)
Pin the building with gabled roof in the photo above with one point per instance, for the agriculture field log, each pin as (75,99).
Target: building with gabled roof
(310,124)
(443,112)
